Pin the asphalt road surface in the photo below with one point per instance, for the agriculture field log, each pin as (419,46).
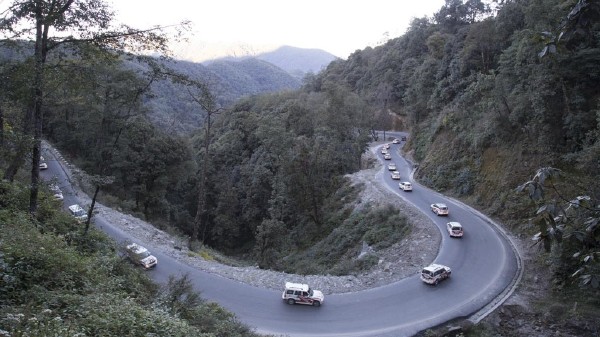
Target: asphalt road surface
(484,265)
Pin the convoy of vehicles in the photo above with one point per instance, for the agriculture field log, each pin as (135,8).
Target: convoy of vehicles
(302,294)
(296,293)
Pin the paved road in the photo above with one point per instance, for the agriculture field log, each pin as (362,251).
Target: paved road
(483,263)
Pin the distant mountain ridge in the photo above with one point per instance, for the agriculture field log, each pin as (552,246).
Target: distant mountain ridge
(295,61)
(252,76)
(170,107)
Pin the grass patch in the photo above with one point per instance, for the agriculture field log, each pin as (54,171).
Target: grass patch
(205,254)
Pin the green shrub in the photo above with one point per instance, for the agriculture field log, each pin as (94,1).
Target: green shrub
(337,252)
(55,282)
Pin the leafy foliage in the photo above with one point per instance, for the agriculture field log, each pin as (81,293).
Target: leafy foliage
(572,224)
(50,286)
(483,108)
(338,252)
(277,159)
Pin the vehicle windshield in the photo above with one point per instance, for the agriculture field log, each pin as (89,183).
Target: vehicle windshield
(142,255)
(80,213)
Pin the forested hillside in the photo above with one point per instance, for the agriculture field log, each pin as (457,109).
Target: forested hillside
(251,77)
(169,105)
(171,109)
(489,98)
(489,95)
(57,281)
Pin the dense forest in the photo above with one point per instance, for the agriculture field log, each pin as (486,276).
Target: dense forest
(489,93)
(501,100)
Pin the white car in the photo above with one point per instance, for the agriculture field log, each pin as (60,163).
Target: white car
(141,256)
(43,165)
(387,156)
(455,229)
(384,151)
(396,141)
(56,192)
(386,146)
(396,175)
(302,294)
(78,212)
(439,209)
(392,167)
(405,186)
(435,273)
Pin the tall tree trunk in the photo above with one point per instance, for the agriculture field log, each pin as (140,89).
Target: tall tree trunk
(1,128)
(206,100)
(200,218)
(91,211)
(41,48)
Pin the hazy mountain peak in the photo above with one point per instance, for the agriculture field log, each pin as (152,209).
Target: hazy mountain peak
(294,60)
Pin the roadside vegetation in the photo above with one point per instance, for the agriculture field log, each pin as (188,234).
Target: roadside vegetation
(54,281)
(495,95)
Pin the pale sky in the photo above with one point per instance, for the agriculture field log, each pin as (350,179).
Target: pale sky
(238,27)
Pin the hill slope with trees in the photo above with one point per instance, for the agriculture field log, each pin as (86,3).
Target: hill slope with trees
(170,107)
(501,105)
(491,97)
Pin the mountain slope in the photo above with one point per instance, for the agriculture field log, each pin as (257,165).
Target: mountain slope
(298,61)
(171,108)
(295,61)
(252,76)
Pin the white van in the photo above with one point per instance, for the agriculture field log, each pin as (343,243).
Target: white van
(302,294)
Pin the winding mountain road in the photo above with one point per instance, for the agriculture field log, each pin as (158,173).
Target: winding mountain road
(485,269)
